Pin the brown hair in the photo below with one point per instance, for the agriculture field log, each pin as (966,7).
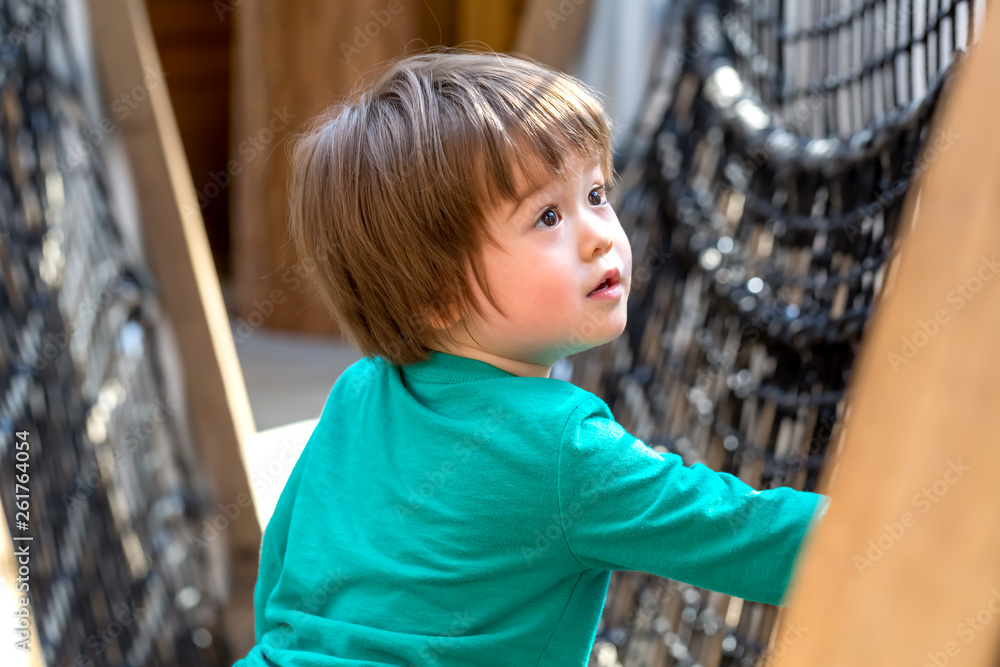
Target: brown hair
(390,189)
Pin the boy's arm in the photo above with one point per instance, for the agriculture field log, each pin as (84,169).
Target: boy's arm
(625,506)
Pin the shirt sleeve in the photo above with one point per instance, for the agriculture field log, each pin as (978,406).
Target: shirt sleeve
(272,548)
(625,506)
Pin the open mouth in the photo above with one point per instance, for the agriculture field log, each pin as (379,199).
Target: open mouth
(601,286)
(609,280)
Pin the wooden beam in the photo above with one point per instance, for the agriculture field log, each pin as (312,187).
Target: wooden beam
(178,253)
(904,569)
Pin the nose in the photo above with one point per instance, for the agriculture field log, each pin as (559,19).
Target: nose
(596,239)
(599,251)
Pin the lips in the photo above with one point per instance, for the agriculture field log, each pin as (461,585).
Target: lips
(609,279)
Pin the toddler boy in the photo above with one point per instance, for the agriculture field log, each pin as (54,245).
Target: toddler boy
(455,505)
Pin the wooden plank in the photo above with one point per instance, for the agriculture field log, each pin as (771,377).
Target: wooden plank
(301,57)
(488,25)
(904,569)
(290,62)
(177,250)
(553,31)
(183,19)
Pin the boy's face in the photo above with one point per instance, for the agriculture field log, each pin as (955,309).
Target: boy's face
(557,245)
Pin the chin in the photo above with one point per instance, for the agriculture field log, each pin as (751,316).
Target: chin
(614,335)
(620,328)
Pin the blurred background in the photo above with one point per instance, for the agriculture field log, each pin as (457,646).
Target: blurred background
(165,359)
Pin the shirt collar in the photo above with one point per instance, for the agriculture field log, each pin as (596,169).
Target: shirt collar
(444,367)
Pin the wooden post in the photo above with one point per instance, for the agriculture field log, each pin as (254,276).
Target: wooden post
(177,250)
(904,569)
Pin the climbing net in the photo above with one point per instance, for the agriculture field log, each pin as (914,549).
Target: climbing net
(762,198)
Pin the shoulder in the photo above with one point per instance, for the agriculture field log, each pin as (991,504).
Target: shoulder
(364,369)
(591,427)
(560,403)
(354,382)
(360,374)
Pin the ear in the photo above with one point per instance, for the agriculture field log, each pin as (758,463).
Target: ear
(437,319)
(442,312)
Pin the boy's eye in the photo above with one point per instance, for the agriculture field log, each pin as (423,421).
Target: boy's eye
(549,218)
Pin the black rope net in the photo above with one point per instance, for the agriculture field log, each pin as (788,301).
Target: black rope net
(99,483)
(762,198)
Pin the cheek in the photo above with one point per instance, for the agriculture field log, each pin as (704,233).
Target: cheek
(625,248)
(557,290)
(543,293)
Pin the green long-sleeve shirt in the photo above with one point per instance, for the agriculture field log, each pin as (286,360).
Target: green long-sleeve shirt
(448,513)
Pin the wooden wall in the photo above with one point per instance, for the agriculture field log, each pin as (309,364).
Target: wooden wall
(291,60)
(231,63)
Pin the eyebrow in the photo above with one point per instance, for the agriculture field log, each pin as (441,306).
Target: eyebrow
(531,195)
(527,198)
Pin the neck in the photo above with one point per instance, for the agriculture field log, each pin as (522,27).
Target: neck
(512,366)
